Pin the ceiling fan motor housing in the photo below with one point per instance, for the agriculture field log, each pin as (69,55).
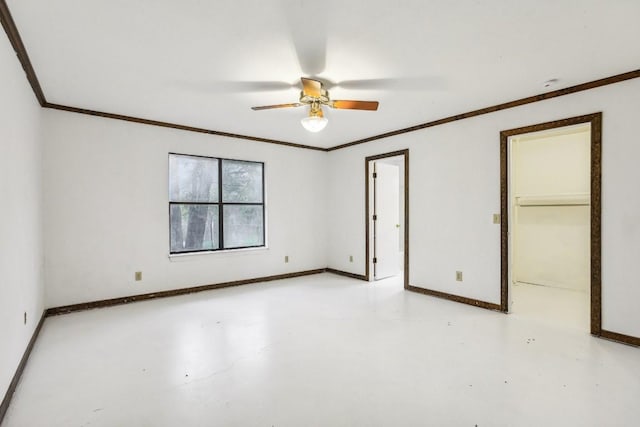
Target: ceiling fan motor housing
(308,99)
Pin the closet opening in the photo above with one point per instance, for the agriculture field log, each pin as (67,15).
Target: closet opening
(550,197)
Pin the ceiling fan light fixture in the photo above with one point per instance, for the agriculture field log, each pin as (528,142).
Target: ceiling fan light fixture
(315,96)
(315,121)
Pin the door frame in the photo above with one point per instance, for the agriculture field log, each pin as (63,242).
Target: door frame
(595,120)
(367,214)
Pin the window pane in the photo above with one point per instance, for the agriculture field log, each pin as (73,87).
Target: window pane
(193,179)
(241,181)
(243,226)
(194,227)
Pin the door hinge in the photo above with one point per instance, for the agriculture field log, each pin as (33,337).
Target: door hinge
(375,175)
(375,217)
(375,260)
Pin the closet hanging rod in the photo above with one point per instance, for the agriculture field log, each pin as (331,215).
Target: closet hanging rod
(554,200)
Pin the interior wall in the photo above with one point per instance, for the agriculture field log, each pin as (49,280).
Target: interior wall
(106,209)
(550,235)
(454,189)
(21,249)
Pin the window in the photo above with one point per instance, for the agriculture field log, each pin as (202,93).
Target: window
(215,204)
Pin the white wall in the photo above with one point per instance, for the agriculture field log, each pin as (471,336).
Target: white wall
(454,189)
(21,270)
(551,243)
(106,206)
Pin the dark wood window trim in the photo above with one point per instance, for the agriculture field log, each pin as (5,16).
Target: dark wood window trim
(221,204)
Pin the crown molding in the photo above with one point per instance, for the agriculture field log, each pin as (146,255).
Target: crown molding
(511,104)
(176,126)
(16,41)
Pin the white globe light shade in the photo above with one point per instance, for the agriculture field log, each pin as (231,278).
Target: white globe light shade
(314,123)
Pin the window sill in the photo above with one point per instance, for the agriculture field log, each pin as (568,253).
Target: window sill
(189,255)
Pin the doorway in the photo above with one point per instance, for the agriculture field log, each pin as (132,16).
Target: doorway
(387,216)
(550,232)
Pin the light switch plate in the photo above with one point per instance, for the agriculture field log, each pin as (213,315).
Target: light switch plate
(459,276)
(138,276)
(496,218)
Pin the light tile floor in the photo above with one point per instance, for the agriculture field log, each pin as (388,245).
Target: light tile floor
(552,306)
(321,351)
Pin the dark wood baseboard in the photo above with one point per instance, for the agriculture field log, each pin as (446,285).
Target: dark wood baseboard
(23,362)
(172,293)
(455,298)
(608,335)
(346,274)
(621,338)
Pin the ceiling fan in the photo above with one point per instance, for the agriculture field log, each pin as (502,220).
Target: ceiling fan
(314,95)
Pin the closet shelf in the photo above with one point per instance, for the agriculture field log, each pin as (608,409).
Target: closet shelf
(554,200)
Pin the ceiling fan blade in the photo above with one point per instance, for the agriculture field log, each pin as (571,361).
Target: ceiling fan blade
(354,105)
(250,86)
(228,86)
(407,83)
(312,88)
(269,107)
(307,22)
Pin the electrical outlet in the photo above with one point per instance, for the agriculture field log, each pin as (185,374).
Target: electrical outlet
(496,218)
(458,276)
(25,317)
(350,258)
(286,258)
(138,276)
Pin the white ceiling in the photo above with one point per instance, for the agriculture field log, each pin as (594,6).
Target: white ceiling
(181,61)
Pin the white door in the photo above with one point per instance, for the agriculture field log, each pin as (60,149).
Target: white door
(386,224)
